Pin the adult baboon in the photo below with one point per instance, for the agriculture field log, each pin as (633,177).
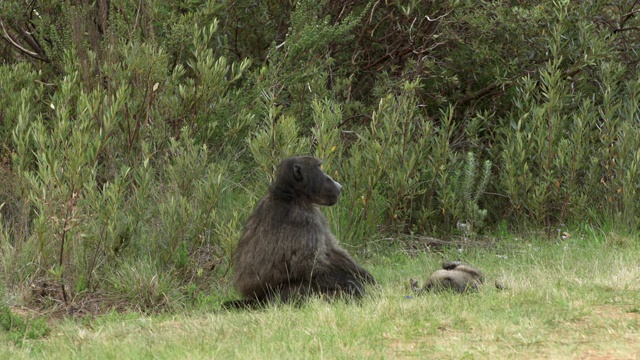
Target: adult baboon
(287,250)
(453,276)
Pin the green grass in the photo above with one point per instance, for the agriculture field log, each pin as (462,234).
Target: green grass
(564,300)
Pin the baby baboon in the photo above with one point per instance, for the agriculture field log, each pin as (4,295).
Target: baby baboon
(287,250)
(453,276)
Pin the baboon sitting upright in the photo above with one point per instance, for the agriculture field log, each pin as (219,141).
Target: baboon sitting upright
(287,250)
(453,276)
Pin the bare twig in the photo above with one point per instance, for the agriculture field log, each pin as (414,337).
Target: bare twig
(12,41)
(631,13)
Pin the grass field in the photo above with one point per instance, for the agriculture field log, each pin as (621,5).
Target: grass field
(578,299)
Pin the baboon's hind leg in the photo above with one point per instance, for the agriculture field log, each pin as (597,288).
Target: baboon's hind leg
(340,259)
(336,281)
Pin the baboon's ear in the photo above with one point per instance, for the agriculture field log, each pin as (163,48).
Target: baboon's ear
(297,172)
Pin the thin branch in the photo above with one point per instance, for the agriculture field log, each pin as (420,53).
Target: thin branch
(439,17)
(484,91)
(629,15)
(626,29)
(8,38)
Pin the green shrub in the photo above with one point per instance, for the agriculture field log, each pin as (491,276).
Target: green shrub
(564,152)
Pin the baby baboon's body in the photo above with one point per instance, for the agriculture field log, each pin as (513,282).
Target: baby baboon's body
(453,276)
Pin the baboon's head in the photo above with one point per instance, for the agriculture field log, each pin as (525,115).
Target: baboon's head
(302,178)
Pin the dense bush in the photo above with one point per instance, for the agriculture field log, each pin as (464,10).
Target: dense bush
(135,135)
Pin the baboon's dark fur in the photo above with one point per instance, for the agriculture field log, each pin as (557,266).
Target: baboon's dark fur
(287,250)
(453,276)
